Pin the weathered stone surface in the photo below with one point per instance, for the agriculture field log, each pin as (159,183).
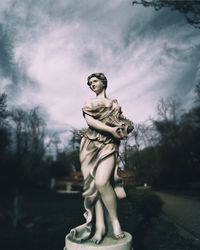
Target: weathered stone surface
(108,243)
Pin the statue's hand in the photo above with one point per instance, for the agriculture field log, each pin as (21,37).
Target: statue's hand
(117,132)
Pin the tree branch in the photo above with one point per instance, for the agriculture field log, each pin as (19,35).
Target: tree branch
(190,8)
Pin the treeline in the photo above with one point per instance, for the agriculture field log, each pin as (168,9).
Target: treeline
(24,157)
(166,152)
(162,152)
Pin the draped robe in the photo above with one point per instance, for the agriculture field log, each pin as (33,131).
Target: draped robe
(96,146)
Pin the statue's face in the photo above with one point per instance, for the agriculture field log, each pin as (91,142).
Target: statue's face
(96,85)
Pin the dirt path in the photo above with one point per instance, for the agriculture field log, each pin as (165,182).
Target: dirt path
(183,210)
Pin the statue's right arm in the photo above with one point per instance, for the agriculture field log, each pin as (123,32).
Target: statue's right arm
(100,126)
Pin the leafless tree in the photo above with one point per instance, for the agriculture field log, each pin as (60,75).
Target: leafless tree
(189,8)
(37,128)
(144,135)
(167,109)
(20,120)
(29,127)
(197,91)
(3,109)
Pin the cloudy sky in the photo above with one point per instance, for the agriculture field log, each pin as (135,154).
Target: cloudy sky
(48,48)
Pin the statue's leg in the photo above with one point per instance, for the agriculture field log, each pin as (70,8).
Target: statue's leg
(102,177)
(100,223)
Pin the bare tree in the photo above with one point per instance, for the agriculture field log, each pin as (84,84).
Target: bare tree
(123,154)
(37,128)
(4,126)
(75,139)
(30,128)
(144,135)
(197,91)
(55,141)
(189,8)
(167,109)
(3,109)
(20,119)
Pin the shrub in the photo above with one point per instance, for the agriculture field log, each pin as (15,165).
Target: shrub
(146,203)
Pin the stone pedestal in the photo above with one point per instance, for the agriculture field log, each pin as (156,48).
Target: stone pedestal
(108,243)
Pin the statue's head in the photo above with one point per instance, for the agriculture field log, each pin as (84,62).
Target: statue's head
(100,76)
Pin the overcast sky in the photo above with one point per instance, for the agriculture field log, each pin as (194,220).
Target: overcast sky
(145,55)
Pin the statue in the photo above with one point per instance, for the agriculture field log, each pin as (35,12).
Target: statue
(98,157)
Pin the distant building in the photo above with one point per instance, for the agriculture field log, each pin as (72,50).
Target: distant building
(75,181)
(128,176)
(71,183)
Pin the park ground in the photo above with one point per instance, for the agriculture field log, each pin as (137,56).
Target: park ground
(45,217)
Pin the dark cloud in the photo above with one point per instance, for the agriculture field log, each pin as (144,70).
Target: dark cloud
(52,46)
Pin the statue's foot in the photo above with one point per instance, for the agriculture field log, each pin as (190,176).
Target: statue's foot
(119,236)
(117,231)
(98,236)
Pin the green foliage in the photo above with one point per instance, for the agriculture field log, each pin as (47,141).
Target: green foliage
(162,234)
(46,218)
(138,213)
(147,204)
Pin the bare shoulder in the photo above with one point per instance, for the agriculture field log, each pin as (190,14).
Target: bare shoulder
(93,102)
(88,102)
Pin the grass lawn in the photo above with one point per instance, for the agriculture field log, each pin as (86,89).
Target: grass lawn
(46,217)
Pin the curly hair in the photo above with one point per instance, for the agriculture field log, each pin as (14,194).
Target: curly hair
(100,76)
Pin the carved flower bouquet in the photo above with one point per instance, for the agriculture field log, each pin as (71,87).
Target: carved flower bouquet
(125,126)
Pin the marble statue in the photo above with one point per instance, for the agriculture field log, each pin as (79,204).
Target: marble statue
(98,157)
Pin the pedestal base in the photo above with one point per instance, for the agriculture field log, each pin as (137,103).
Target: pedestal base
(108,243)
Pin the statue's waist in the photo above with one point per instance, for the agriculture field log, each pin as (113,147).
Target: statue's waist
(100,136)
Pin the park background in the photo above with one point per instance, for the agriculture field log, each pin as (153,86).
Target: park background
(149,52)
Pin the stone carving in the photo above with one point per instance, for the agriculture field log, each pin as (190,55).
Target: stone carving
(98,156)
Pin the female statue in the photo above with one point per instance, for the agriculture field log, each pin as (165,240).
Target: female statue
(98,157)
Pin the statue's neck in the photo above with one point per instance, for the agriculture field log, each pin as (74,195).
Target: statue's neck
(102,94)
